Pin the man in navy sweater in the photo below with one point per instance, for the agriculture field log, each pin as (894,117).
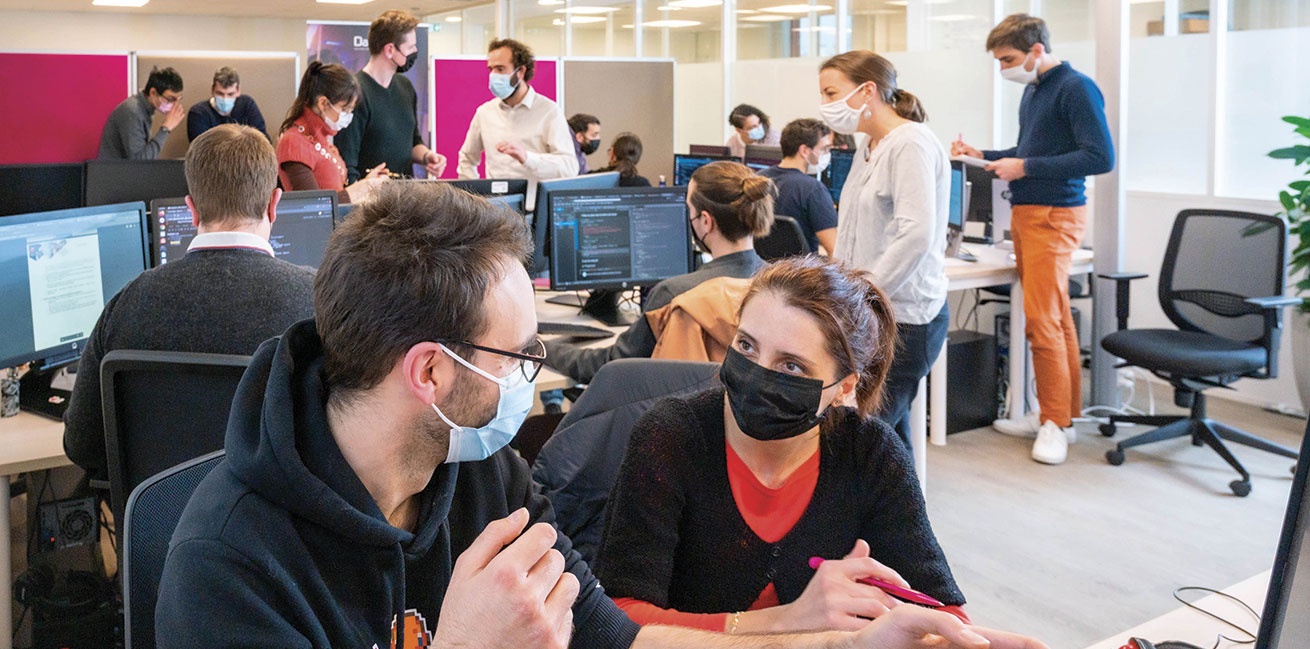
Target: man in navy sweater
(1063,138)
(225,105)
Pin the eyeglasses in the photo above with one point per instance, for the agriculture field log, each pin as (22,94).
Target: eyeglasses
(530,360)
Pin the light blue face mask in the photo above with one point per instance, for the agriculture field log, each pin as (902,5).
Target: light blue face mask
(501,86)
(225,104)
(476,444)
(756,133)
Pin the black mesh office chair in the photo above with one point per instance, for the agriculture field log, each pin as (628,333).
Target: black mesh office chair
(161,409)
(1222,285)
(784,240)
(153,511)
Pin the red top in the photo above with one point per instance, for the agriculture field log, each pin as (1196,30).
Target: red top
(309,142)
(770,513)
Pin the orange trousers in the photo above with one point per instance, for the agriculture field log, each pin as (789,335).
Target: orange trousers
(1045,238)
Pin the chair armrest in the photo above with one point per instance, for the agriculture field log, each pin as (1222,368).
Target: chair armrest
(1121,294)
(1274,301)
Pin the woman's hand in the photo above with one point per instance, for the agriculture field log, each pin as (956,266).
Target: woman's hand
(915,627)
(835,600)
(360,190)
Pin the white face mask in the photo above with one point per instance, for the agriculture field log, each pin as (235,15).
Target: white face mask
(840,117)
(342,121)
(477,444)
(1018,74)
(813,168)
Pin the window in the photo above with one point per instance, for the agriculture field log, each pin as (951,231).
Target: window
(536,24)
(782,29)
(600,27)
(685,30)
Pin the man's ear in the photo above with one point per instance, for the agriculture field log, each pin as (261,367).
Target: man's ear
(195,215)
(428,371)
(272,205)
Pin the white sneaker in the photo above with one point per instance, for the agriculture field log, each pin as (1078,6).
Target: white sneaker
(1052,445)
(1027,425)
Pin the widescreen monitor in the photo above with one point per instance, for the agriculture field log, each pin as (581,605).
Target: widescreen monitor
(685,165)
(618,238)
(540,231)
(29,188)
(300,232)
(123,181)
(1285,624)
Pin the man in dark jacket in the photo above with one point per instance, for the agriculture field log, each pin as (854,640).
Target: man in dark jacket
(368,494)
(225,105)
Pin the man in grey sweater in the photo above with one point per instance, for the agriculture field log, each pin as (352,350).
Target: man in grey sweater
(225,296)
(127,131)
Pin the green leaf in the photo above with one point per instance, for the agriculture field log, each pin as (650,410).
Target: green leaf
(1299,185)
(1297,121)
(1286,199)
(1298,153)
(1303,131)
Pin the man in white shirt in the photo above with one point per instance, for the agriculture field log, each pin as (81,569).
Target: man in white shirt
(523,133)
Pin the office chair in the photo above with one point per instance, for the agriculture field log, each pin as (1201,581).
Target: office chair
(784,240)
(160,409)
(1222,285)
(577,467)
(153,511)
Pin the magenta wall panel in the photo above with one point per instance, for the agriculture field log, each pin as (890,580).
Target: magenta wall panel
(460,87)
(54,106)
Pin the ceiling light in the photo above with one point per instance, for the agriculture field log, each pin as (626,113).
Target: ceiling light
(765,19)
(695,4)
(579,20)
(671,23)
(587,10)
(953,18)
(550,3)
(668,8)
(818,28)
(454,19)
(333,2)
(902,3)
(797,9)
(747,11)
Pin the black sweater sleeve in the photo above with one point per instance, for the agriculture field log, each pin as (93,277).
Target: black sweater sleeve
(84,424)
(636,555)
(897,529)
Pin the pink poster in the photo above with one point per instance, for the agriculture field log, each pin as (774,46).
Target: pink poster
(54,106)
(461,86)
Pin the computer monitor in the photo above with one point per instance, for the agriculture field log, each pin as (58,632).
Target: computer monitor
(957,209)
(618,238)
(685,165)
(122,181)
(300,233)
(342,212)
(710,149)
(762,156)
(540,229)
(29,188)
(57,270)
(491,186)
(516,202)
(834,177)
(1284,624)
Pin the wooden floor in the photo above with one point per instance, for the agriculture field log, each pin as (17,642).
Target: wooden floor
(1074,553)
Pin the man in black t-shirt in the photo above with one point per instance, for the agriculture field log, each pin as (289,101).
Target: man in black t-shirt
(384,129)
(805,148)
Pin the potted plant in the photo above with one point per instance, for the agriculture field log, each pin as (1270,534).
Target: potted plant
(1295,201)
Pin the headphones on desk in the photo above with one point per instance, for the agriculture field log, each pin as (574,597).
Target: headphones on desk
(1138,643)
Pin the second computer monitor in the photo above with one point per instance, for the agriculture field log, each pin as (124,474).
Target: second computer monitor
(300,232)
(834,177)
(490,187)
(121,181)
(540,231)
(710,149)
(618,238)
(686,165)
(762,156)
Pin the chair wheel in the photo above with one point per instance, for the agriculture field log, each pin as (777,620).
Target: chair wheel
(1107,429)
(1115,457)
(1241,488)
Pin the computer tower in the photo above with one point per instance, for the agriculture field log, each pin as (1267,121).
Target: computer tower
(970,380)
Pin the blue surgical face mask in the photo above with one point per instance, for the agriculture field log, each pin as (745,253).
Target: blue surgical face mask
(225,104)
(502,85)
(756,133)
(476,444)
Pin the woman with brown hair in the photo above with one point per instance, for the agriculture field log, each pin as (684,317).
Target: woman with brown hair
(306,156)
(624,156)
(892,219)
(730,205)
(724,497)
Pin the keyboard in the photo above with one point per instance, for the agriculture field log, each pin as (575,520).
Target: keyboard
(572,330)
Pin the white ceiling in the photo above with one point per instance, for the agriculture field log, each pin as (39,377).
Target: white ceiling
(299,9)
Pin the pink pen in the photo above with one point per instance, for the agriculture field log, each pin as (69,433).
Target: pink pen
(893,590)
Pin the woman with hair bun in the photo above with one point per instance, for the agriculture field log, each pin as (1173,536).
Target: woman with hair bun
(892,219)
(725,497)
(730,205)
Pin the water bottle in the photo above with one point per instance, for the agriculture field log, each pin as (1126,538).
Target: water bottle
(9,393)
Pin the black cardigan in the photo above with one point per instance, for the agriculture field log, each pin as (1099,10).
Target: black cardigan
(675,538)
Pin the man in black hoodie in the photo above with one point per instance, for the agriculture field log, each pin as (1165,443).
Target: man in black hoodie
(352,509)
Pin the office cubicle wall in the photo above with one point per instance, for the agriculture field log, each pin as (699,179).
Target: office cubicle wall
(459,86)
(270,78)
(53,106)
(626,95)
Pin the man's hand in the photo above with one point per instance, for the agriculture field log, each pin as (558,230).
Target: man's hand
(834,600)
(915,627)
(511,598)
(434,163)
(958,147)
(174,116)
(1007,168)
(513,150)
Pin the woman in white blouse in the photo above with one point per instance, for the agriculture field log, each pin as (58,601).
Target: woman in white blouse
(892,219)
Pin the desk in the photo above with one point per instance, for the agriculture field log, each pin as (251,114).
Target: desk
(1189,625)
(28,442)
(993,267)
(549,379)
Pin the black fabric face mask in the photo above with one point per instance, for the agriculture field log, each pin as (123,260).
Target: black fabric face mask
(591,146)
(409,63)
(770,405)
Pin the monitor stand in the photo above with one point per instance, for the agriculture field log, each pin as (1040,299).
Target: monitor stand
(603,305)
(37,395)
(568,299)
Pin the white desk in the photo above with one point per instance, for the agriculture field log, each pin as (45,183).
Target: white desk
(549,379)
(1189,625)
(27,443)
(994,266)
